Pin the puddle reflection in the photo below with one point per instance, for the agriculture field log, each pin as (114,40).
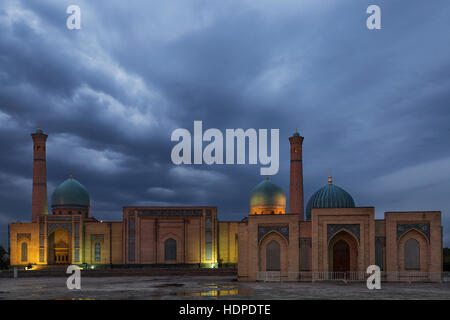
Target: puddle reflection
(217,292)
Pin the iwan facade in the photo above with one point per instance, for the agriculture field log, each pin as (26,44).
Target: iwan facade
(331,235)
(146,235)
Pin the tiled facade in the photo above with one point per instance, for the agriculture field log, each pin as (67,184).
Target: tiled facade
(337,239)
(333,239)
(145,236)
(139,239)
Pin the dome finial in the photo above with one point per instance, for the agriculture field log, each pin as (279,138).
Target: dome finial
(70,176)
(330,181)
(39,130)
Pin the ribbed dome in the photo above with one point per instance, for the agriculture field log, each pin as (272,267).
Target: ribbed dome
(70,193)
(267,194)
(330,196)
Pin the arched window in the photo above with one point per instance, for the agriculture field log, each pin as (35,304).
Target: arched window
(98,252)
(170,249)
(24,252)
(412,255)
(273,256)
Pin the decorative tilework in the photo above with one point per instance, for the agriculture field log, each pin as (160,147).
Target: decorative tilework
(41,236)
(172,212)
(263,230)
(56,218)
(41,255)
(53,226)
(77,235)
(24,236)
(97,237)
(405,227)
(332,229)
(208,237)
(131,240)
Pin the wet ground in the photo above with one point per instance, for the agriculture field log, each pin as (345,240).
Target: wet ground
(210,287)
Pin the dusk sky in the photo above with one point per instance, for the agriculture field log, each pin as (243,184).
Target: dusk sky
(373,105)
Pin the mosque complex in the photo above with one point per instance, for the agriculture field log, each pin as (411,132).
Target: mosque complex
(331,235)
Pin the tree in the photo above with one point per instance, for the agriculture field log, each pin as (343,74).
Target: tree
(446,258)
(4,259)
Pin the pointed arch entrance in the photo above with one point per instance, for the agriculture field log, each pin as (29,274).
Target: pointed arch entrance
(341,256)
(343,252)
(59,247)
(273,253)
(273,257)
(412,251)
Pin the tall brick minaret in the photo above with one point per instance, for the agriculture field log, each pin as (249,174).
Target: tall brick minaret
(296,184)
(39,196)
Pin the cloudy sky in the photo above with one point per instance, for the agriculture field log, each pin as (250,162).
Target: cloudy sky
(374,106)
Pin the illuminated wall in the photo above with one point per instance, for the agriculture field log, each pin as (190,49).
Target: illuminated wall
(228,242)
(191,231)
(27,233)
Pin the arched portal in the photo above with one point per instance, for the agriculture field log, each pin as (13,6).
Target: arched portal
(24,252)
(413,248)
(170,249)
(273,256)
(341,256)
(59,247)
(412,254)
(343,252)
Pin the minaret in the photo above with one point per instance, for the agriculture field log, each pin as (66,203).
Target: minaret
(39,196)
(296,183)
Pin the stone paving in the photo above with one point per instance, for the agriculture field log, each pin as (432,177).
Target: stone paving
(209,287)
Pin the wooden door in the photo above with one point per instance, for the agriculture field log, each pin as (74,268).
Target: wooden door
(341,256)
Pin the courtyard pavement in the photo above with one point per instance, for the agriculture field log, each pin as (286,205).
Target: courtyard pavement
(209,287)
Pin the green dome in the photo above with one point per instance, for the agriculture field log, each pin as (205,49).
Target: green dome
(267,194)
(70,193)
(330,196)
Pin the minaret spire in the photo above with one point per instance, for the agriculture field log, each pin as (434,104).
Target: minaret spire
(296,176)
(39,204)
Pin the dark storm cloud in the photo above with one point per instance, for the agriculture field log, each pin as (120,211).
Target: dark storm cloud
(373,106)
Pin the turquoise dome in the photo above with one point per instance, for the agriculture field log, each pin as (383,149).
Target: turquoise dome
(70,193)
(267,194)
(330,196)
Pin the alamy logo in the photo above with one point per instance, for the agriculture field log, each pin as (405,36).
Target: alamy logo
(74,281)
(374,280)
(235,139)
